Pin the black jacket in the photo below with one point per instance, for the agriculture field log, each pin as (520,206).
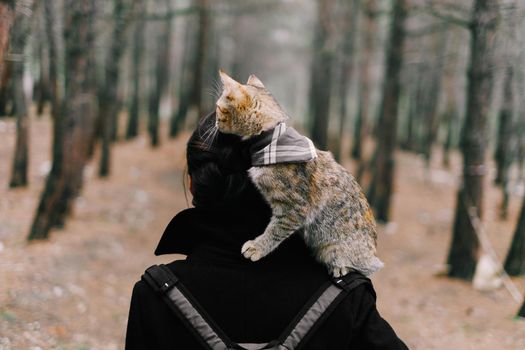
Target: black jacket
(251,302)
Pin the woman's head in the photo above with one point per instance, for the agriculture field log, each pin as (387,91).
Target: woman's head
(217,167)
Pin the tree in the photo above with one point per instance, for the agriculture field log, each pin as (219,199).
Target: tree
(515,261)
(6,20)
(193,66)
(521,313)
(70,151)
(137,56)
(463,253)
(347,50)
(162,73)
(20,33)
(108,97)
(381,186)
(185,81)
(362,118)
(503,155)
(432,97)
(321,74)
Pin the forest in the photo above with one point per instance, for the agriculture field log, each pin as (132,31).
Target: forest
(421,100)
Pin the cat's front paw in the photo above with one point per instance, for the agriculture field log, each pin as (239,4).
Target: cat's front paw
(340,271)
(252,251)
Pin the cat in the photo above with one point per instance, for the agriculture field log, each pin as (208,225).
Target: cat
(312,191)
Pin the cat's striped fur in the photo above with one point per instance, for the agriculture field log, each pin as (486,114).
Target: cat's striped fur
(319,196)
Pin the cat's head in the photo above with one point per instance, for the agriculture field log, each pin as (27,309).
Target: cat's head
(247,109)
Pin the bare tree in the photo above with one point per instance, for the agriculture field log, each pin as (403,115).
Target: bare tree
(347,51)
(162,74)
(463,253)
(6,20)
(381,186)
(362,118)
(515,261)
(20,32)
(137,57)
(68,161)
(108,98)
(321,74)
(503,155)
(193,65)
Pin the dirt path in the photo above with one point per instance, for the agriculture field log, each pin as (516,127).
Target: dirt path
(73,291)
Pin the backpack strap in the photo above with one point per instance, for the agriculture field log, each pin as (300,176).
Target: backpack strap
(317,310)
(182,303)
(200,324)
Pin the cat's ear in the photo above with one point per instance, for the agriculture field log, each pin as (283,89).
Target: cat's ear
(228,82)
(254,81)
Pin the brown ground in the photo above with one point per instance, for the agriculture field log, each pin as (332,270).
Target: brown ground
(72,292)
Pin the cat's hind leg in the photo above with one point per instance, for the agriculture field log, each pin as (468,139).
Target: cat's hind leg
(334,257)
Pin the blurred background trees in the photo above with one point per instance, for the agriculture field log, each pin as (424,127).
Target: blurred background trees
(364,78)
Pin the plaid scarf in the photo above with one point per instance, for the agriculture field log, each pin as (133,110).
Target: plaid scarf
(283,144)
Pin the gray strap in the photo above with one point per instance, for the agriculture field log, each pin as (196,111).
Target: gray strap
(195,319)
(311,316)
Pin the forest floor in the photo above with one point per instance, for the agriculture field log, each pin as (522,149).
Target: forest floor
(73,291)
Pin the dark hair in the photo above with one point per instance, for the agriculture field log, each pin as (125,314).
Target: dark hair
(217,166)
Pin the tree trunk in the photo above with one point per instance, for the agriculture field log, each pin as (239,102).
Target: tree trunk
(381,187)
(432,98)
(463,254)
(361,125)
(55,43)
(162,73)
(68,161)
(321,75)
(108,98)
(202,55)
(6,20)
(138,47)
(19,34)
(351,11)
(504,150)
(515,261)
(521,313)
(187,81)
(41,88)
(450,120)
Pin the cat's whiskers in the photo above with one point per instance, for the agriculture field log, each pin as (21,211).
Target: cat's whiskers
(211,134)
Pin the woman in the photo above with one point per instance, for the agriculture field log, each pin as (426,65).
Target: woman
(246,302)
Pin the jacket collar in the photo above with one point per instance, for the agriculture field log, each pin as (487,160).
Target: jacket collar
(217,234)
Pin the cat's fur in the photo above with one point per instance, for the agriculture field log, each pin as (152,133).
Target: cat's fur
(319,196)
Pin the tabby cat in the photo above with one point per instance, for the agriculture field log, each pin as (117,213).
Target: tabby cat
(305,187)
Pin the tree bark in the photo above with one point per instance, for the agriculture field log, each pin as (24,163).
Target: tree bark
(361,124)
(351,12)
(321,75)
(201,56)
(41,86)
(162,73)
(137,57)
(521,313)
(108,108)
(69,160)
(189,74)
(19,34)
(504,150)
(6,20)
(381,187)
(55,43)
(432,98)
(463,253)
(515,261)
